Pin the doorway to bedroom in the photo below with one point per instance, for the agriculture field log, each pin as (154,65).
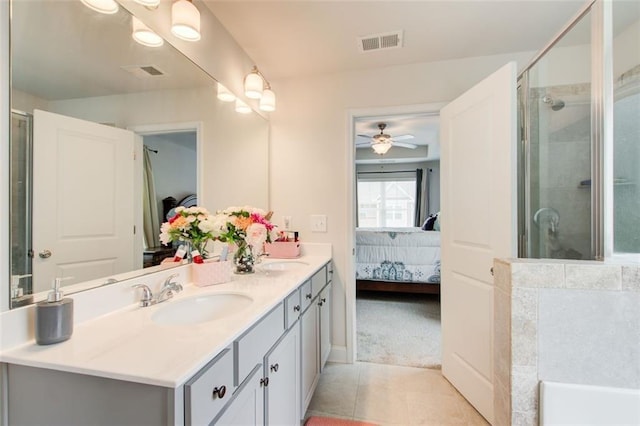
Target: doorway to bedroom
(397,262)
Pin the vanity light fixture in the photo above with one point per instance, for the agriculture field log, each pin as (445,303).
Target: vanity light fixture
(108,7)
(242,107)
(268,100)
(381,147)
(144,35)
(224,94)
(257,87)
(185,20)
(149,3)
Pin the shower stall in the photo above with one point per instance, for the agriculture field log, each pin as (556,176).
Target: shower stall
(20,200)
(579,115)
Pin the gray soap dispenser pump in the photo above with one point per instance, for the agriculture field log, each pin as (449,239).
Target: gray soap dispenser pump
(54,317)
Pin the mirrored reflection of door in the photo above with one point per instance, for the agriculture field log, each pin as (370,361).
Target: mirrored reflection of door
(559,104)
(83,204)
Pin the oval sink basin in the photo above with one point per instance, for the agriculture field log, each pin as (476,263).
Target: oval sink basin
(199,309)
(285,265)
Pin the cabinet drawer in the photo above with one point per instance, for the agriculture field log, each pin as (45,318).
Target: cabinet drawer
(292,308)
(306,295)
(251,346)
(209,390)
(318,281)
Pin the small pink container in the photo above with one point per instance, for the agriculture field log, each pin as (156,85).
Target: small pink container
(210,273)
(283,249)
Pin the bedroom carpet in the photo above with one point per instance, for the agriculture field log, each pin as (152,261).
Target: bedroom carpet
(399,329)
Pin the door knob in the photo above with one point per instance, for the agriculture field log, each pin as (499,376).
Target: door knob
(45,254)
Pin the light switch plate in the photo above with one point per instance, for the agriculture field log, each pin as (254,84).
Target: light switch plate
(318,223)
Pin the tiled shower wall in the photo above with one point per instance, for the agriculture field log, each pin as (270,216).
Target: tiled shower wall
(563,321)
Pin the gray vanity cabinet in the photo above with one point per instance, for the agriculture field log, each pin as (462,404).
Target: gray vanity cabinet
(315,331)
(282,369)
(257,380)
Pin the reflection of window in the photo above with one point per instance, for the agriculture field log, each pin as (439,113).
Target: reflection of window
(386,201)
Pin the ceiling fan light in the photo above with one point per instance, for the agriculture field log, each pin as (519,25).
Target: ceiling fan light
(381,148)
(185,20)
(253,85)
(268,101)
(148,3)
(242,107)
(144,35)
(108,7)
(224,94)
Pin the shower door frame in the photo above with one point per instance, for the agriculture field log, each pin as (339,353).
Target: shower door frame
(601,133)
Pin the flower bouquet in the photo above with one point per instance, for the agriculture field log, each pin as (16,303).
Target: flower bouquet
(193,225)
(249,228)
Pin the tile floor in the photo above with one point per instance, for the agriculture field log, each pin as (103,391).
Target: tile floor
(390,395)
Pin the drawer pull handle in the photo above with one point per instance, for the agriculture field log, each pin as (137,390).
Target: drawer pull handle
(264,382)
(275,367)
(308,296)
(322,301)
(219,392)
(296,308)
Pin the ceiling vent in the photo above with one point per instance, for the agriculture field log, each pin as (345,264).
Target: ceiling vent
(144,71)
(380,41)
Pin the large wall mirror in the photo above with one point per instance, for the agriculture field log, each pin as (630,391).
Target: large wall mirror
(101,123)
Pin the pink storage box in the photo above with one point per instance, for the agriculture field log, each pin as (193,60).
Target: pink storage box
(210,273)
(283,249)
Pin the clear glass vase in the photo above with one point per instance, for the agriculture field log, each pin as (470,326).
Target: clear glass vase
(243,259)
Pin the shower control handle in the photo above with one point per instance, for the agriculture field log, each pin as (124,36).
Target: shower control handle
(45,254)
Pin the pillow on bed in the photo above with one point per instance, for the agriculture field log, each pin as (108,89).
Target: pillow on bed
(436,224)
(428,224)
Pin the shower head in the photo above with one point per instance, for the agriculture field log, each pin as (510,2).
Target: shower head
(556,105)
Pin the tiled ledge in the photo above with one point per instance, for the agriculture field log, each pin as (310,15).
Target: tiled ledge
(562,320)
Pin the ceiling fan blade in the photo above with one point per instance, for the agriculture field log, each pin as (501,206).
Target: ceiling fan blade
(402,137)
(405,145)
(365,136)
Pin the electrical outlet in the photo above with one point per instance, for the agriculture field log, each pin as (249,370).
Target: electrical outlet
(318,223)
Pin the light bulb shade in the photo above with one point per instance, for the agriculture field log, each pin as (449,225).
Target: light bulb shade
(253,85)
(242,107)
(185,20)
(148,3)
(381,148)
(224,94)
(143,34)
(268,100)
(108,7)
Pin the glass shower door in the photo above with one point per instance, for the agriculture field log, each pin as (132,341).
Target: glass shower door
(558,152)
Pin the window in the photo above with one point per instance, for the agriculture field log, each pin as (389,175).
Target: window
(386,200)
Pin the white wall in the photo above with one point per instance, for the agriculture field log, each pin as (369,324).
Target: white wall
(310,160)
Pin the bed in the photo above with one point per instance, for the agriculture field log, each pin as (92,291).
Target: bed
(403,260)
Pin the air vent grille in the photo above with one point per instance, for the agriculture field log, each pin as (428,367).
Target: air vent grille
(144,71)
(392,40)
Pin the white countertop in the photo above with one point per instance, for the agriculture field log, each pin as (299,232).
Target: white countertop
(127,345)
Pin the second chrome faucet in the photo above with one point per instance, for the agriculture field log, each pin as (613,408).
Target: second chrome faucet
(169,287)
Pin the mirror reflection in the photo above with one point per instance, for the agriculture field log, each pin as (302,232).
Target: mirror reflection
(107,136)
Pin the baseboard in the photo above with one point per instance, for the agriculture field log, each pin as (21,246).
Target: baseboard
(338,354)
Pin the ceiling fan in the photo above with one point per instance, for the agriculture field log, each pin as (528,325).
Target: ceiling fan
(382,142)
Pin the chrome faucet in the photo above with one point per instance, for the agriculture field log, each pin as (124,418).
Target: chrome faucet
(168,288)
(166,292)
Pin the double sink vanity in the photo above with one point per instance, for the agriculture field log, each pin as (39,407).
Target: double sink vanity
(249,351)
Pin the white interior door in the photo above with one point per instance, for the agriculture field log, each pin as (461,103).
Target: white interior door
(83,199)
(478,224)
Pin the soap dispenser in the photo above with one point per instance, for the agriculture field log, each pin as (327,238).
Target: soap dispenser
(54,317)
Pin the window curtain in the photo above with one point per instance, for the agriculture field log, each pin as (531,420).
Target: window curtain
(422,198)
(151,222)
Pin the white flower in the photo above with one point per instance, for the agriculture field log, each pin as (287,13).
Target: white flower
(191,219)
(256,235)
(209,224)
(179,209)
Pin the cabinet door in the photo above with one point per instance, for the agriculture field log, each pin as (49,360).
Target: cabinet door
(282,367)
(324,303)
(247,406)
(309,350)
